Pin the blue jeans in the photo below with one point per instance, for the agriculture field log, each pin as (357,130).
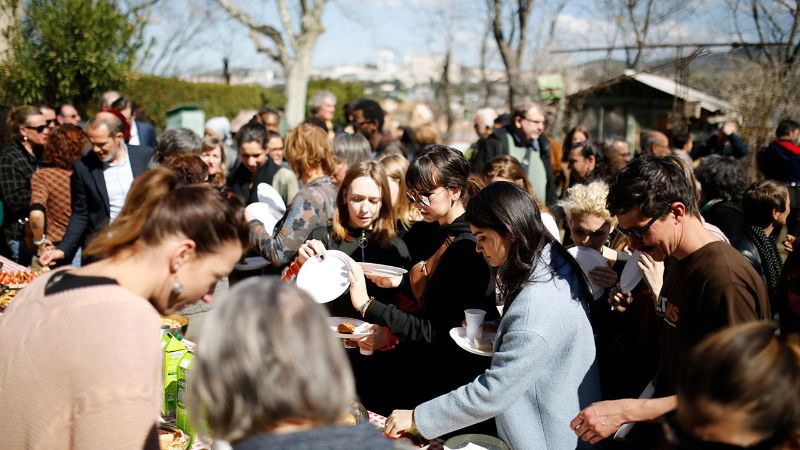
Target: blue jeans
(19,252)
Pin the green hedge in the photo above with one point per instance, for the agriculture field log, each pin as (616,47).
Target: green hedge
(158,95)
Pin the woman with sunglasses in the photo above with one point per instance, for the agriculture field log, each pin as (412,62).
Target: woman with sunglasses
(18,162)
(438,185)
(543,366)
(740,390)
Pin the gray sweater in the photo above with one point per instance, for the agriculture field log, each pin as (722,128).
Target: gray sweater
(543,369)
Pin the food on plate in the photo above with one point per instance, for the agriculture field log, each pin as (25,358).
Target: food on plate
(19,278)
(346,328)
(170,322)
(6,297)
(170,438)
(482,344)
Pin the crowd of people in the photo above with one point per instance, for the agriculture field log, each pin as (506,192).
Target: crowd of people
(703,352)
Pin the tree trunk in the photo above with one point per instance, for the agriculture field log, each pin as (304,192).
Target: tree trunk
(297,75)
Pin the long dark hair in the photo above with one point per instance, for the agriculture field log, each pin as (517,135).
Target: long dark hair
(510,211)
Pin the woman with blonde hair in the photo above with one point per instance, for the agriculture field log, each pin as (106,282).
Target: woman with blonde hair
(507,168)
(310,155)
(213,155)
(406,215)
(96,328)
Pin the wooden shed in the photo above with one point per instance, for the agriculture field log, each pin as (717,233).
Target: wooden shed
(636,102)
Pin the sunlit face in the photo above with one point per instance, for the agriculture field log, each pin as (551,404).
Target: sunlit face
(482,129)
(363,125)
(363,202)
(275,149)
(69,115)
(199,276)
(589,230)
(780,220)
(579,166)
(492,245)
(253,155)
(531,125)
(325,112)
(441,200)
(213,159)
(49,116)
(272,122)
(339,171)
(620,156)
(107,147)
(35,129)
(658,240)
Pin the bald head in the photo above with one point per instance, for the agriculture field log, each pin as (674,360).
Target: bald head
(108,120)
(656,143)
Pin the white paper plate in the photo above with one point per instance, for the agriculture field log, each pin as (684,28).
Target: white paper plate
(359,332)
(589,258)
(459,335)
(325,278)
(252,263)
(267,194)
(381,270)
(475,442)
(263,212)
(631,273)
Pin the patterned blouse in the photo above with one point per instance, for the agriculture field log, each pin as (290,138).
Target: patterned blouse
(50,193)
(313,206)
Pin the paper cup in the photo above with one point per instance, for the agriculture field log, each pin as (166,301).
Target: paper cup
(474,319)
(365,352)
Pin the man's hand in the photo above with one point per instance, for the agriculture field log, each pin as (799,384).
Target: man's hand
(400,420)
(50,257)
(653,272)
(618,300)
(730,128)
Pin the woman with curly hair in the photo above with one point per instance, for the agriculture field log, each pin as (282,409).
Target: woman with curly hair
(50,186)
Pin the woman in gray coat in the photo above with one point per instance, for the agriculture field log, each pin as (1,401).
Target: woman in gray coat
(543,368)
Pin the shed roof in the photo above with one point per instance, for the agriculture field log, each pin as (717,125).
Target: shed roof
(667,86)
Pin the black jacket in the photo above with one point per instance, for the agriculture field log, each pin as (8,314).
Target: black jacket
(90,207)
(748,249)
(239,180)
(461,280)
(497,144)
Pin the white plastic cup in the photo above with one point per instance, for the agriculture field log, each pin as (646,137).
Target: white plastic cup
(365,352)
(474,319)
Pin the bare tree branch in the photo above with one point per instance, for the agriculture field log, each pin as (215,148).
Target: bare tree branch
(273,34)
(286,19)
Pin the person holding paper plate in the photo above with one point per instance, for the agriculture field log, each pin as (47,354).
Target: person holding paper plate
(623,338)
(459,279)
(363,228)
(543,368)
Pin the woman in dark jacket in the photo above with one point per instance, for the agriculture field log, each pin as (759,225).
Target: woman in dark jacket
(438,182)
(363,228)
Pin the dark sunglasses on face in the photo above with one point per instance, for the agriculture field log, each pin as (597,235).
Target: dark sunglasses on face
(38,129)
(423,198)
(51,122)
(638,233)
(677,438)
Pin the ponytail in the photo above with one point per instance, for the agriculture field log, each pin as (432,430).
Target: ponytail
(158,206)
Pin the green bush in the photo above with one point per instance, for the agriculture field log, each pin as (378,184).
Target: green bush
(158,95)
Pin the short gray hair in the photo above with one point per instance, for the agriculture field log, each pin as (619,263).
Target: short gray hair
(266,355)
(177,140)
(316,100)
(351,148)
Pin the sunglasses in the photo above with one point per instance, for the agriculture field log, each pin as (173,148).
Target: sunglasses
(423,199)
(638,233)
(38,129)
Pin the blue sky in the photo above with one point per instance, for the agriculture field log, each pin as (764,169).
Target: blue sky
(356,30)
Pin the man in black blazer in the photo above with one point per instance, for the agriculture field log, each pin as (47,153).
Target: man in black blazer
(142,133)
(99,184)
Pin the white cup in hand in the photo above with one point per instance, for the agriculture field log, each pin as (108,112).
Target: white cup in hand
(474,318)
